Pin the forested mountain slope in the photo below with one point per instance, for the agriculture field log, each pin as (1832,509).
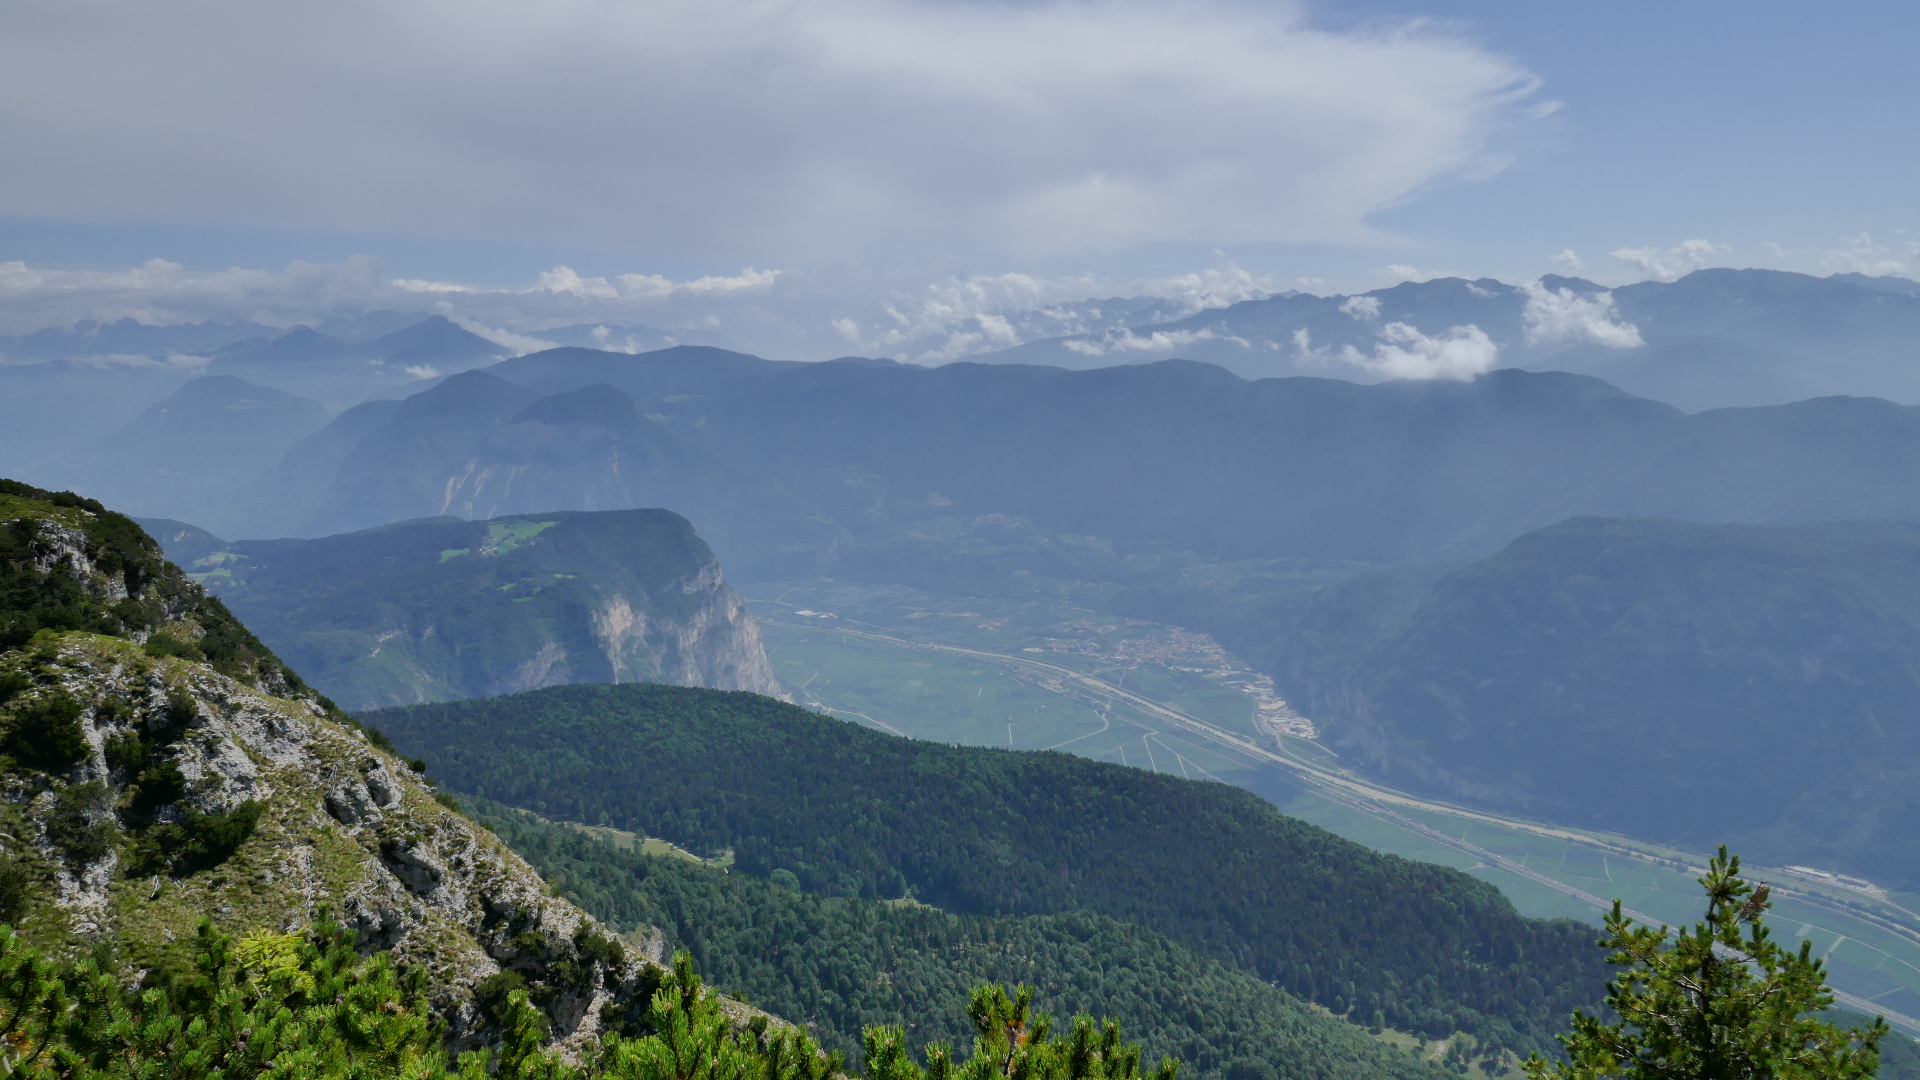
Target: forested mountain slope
(853,812)
(441,609)
(1694,684)
(839,963)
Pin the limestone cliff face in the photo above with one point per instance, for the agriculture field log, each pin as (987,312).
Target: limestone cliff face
(713,642)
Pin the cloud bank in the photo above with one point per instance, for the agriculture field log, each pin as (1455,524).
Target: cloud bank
(1674,263)
(769,131)
(1553,315)
(783,314)
(1461,353)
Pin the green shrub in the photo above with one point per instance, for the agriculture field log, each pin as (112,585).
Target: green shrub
(160,645)
(17,883)
(81,823)
(153,780)
(213,838)
(46,732)
(492,994)
(195,843)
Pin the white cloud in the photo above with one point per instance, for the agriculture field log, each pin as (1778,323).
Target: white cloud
(1673,263)
(954,317)
(1862,255)
(173,362)
(1361,307)
(516,344)
(1568,262)
(1398,272)
(771,131)
(655,286)
(1562,315)
(1125,341)
(785,314)
(159,292)
(1403,352)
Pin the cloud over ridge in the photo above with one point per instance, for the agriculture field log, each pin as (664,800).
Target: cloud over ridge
(755,130)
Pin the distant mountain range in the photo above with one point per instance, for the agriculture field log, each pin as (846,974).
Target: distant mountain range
(442,609)
(64,391)
(784,467)
(1713,339)
(795,465)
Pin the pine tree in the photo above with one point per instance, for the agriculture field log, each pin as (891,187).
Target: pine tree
(1713,1002)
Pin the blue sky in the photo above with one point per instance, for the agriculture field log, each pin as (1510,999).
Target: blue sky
(874,150)
(1739,123)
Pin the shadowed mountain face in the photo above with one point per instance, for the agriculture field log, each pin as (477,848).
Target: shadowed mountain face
(197,453)
(90,381)
(51,410)
(317,365)
(1694,684)
(478,446)
(783,465)
(443,609)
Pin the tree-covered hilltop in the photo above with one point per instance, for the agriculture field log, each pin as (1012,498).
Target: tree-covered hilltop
(852,812)
(444,608)
(841,964)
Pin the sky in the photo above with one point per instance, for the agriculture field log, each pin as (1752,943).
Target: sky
(813,177)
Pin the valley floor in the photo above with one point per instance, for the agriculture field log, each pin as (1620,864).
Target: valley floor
(1044,674)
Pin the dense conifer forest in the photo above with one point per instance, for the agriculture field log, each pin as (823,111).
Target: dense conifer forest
(850,812)
(841,964)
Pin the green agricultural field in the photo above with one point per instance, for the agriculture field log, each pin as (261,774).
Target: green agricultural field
(920,694)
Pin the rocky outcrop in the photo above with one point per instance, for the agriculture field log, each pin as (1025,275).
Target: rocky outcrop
(342,828)
(716,644)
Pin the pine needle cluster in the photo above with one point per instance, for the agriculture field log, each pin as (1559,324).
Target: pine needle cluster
(309,1005)
(1720,1001)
